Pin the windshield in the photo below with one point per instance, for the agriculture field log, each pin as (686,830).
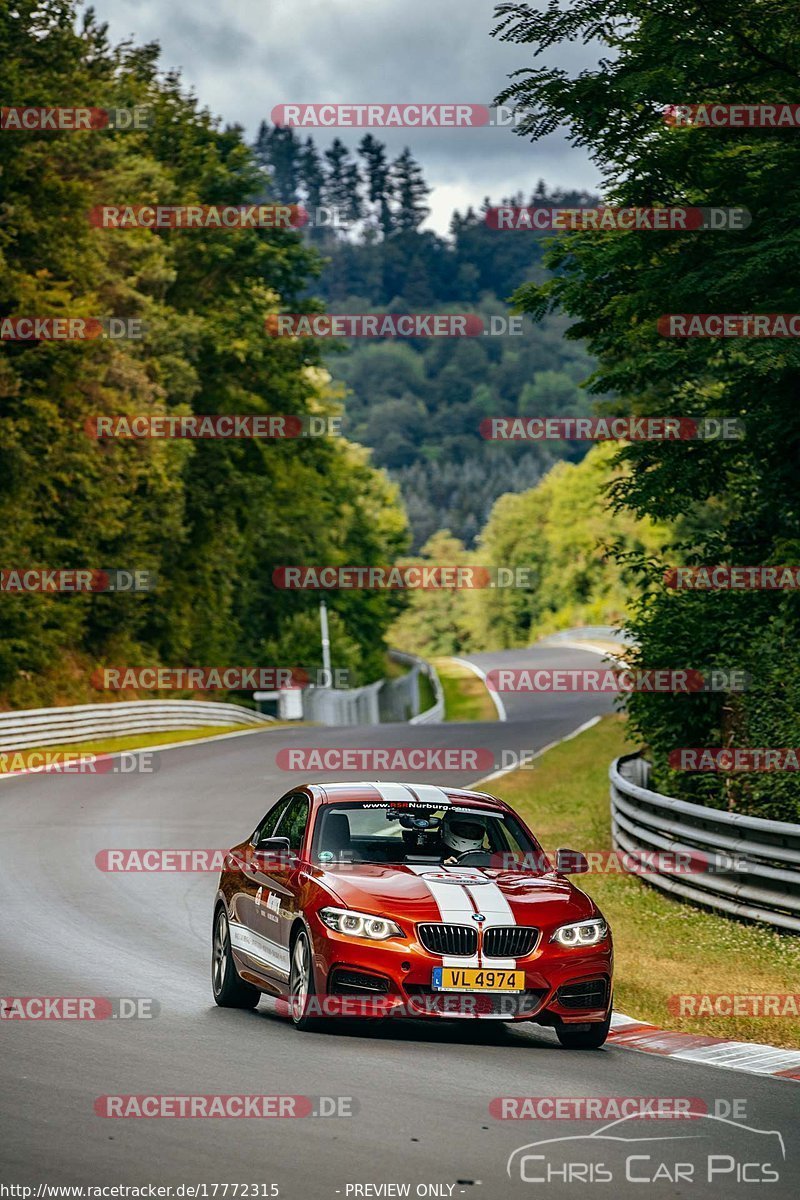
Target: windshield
(419,833)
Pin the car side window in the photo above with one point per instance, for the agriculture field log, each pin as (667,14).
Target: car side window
(268,825)
(292,824)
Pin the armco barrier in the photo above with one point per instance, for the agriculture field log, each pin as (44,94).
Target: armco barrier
(342,706)
(434,714)
(24,728)
(754,863)
(387,700)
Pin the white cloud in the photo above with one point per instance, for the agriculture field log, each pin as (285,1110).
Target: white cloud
(244,58)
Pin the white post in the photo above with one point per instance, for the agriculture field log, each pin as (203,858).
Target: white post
(326,645)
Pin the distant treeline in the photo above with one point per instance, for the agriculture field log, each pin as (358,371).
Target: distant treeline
(418,404)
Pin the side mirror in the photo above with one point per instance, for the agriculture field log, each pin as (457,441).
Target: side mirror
(571,862)
(272,853)
(275,844)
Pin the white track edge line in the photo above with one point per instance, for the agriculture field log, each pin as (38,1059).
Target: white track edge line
(498,703)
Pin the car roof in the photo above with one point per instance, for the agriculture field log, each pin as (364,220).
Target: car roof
(375,791)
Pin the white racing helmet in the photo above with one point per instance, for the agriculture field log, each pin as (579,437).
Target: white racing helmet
(462,832)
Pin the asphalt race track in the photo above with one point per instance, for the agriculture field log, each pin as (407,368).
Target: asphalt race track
(421,1091)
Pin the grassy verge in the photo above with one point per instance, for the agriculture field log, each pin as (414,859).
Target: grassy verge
(466,697)
(16,760)
(662,947)
(427,697)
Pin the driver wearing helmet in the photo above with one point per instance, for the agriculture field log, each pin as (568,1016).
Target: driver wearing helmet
(460,833)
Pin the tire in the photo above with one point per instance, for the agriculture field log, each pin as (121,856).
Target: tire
(584,1039)
(230,990)
(302,988)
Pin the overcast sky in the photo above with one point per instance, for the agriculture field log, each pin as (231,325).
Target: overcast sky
(242,57)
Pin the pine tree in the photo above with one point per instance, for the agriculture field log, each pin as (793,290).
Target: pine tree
(380,186)
(342,182)
(278,151)
(312,183)
(411,190)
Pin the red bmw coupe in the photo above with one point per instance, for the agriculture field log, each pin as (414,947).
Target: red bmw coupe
(387,899)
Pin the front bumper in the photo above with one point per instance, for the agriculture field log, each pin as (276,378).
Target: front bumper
(360,978)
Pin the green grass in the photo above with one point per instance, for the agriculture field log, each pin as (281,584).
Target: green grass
(427,697)
(663,947)
(134,741)
(466,697)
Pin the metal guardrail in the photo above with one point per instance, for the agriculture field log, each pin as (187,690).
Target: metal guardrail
(435,714)
(589,633)
(25,728)
(386,700)
(739,865)
(342,706)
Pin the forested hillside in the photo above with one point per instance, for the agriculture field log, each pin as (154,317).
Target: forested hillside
(418,403)
(563,534)
(210,518)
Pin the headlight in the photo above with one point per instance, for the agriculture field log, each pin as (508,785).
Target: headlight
(357,924)
(581,933)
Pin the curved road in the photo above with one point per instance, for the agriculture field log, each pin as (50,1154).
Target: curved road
(421,1091)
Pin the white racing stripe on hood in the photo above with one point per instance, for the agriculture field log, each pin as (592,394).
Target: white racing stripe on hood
(454,904)
(495,907)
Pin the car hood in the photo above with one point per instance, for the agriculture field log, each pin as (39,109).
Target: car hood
(431,893)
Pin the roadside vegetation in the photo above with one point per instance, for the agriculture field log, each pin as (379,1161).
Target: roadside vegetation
(561,533)
(731,501)
(466,697)
(210,519)
(662,947)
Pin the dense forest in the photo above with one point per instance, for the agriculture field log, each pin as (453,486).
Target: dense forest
(211,519)
(737,501)
(562,533)
(418,403)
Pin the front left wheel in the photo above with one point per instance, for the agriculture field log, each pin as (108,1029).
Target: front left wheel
(584,1039)
(302,989)
(230,990)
